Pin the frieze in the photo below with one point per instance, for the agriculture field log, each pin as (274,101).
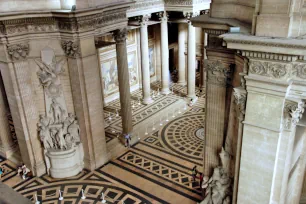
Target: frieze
(146,4)
(268,69)
(18,51)
(184,2)
(299,70)
(54,24)
(269,56)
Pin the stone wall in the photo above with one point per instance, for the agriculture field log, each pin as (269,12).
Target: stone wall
(238,9)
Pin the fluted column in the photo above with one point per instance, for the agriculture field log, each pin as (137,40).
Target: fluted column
(7,145)
(181,55)
(124,81)
(191,58)
(217,75)
(145,67)
(164,53)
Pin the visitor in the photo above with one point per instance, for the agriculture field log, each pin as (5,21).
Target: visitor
(127,137)
(1,171)
(190,103)
(194,172)
(201,179)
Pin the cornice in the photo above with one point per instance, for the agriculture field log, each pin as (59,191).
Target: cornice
(62,23)
(285,46)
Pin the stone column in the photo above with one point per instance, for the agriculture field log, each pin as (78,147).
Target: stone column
(7,145)
(145,67)
(124,81)
(240,100)
(191,58)
(165,79)
(85,76)
(181,55)
(217,77)
(18,85)
(203,72)
(284,165)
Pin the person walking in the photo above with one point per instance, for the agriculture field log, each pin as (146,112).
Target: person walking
(1,171)
(194,172)
(127,137)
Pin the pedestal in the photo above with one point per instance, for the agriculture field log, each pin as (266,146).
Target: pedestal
(67,163)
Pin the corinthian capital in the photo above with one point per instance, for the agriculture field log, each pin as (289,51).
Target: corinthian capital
(240,95)
(163,16)
(18,51)
(189,15)
(71,48)
(143,20)
(120,35)
(297,114)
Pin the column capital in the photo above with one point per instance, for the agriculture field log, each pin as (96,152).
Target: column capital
(189,15)
(143,20)
(297,114)
(120,35)
(240,95)
(217,72)
(18,51)
(163,16)
(71,48)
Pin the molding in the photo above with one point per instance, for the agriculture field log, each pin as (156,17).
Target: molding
(18,51)
(268,56)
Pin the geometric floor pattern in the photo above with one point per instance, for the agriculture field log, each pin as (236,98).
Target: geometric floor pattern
(157,169)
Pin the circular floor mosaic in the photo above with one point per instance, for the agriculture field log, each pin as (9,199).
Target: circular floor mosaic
(185,136)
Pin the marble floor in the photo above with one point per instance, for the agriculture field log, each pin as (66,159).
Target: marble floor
(156,169)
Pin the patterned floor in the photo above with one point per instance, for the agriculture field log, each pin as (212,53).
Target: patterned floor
(157,169)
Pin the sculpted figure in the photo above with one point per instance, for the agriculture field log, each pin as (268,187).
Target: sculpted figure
(218,189)
(44,121)
(57,111)
(45,137)
(74,131)
(60,139)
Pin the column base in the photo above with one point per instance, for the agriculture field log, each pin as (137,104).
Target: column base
(165,91)
(182,83)
(147,101)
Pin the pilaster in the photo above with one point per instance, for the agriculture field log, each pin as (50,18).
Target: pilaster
(18,84)
(217,80)
(84,71)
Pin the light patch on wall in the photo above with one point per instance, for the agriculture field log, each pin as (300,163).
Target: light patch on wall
(67,4)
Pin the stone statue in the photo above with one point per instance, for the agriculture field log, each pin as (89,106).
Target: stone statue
(61,142)
(57,111)
(218,187)
(45,137)
(44,121)
(74,131)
